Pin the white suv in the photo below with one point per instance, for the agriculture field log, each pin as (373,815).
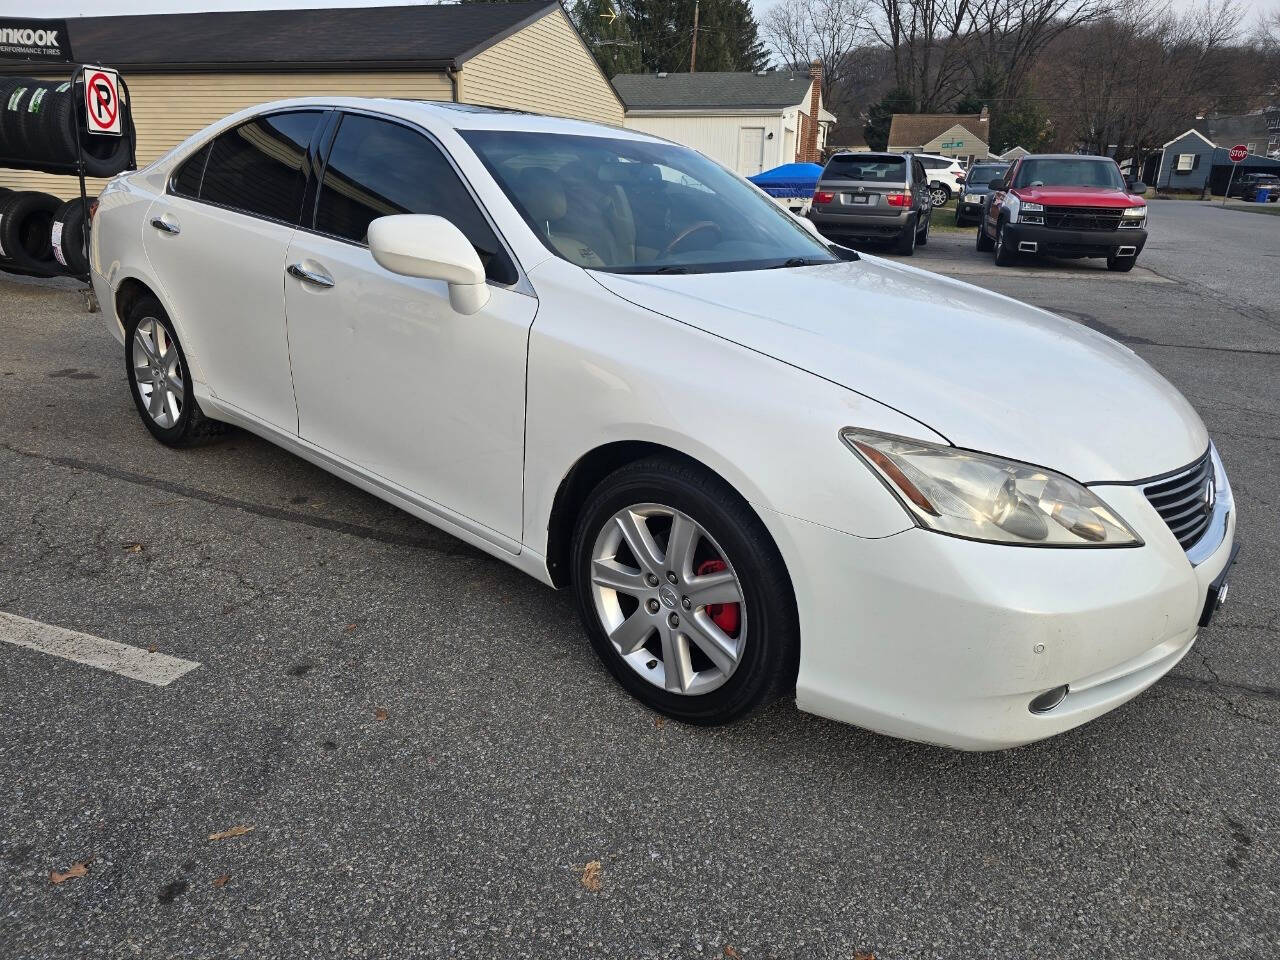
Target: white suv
(946,176)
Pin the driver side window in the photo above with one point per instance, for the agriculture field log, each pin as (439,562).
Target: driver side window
(377,168)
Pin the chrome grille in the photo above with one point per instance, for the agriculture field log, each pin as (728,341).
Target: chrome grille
(1082,218)
(1185,500)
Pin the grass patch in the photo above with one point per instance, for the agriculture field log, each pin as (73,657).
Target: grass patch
(944,219)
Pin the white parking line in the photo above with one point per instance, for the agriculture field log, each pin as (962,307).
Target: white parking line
(132,662)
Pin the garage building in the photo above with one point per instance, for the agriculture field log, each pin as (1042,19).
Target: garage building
(185,71)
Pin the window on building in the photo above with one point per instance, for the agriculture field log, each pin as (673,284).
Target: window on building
(378,168)
(260,166)
(1186,162)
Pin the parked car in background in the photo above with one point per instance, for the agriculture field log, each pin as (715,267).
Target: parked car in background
(977,184)
(946,176)
(1065,205)
(1246,187)
(873,196)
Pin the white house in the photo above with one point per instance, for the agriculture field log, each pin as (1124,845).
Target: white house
(749,122)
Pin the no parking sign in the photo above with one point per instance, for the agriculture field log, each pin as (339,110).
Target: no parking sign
(102,101)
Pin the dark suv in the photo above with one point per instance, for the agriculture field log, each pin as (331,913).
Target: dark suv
(1247,187)
(873,196)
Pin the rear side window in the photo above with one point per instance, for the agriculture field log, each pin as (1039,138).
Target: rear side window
(855,167)
(186,182)
(260,166)
(377,168)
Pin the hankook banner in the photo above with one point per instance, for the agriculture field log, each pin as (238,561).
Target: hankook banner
(25,39)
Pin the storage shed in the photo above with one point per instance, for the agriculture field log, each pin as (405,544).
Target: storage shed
(1185,162)
(187,70)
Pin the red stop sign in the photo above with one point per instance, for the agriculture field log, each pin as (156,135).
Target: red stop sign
(1237,153)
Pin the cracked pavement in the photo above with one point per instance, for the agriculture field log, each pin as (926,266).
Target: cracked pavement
(459,824)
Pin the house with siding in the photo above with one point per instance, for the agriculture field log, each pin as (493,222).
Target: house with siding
(186,70)
(749,122)
(965,136)
(1186,162)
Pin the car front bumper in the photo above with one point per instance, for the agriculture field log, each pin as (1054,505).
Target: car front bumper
(1076,243)
(947,641)
(969,210)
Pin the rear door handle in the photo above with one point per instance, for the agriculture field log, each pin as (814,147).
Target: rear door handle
(165,224)
(317,277)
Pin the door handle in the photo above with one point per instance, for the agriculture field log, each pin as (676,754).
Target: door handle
(167,226)
(319,278)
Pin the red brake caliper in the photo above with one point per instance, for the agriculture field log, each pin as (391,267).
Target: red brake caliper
(726,616)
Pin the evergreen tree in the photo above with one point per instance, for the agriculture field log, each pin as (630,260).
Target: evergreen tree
(881,116)
(608,36)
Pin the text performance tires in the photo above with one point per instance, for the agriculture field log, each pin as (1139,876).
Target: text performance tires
(683,593)
(159,380)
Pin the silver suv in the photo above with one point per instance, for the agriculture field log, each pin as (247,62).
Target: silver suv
(873,196)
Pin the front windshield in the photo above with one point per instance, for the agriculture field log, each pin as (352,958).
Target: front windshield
(980,175)
(637,206)
(1070,172)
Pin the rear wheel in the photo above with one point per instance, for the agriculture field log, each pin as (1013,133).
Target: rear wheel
(683,593)
(906,242)
(939,194)
(922,238)
(159,379)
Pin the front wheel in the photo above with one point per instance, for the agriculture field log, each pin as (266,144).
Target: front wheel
(984,242)
(1121,264)
(1003,252)
(683,593)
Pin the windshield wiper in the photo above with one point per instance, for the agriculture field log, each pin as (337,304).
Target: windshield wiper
(799,262)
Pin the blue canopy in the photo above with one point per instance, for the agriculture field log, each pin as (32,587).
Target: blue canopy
(789,180)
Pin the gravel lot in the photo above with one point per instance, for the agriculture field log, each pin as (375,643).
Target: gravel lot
(429,754)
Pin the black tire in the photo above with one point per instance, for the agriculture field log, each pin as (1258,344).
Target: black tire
(940,194)
(769,658)
(67,237)
(922,238)
(1002,254)
(1121,264)
(104,156)
(32,120)
(984,242)
(905,245)
(26,218)
(191,426)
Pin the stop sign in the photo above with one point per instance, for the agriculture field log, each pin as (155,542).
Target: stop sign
(1237,153)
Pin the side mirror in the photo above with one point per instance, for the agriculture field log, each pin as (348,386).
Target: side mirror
(418,245)
(995,186)
(1137,186)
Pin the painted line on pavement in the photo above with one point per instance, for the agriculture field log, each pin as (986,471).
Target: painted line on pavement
(135,663)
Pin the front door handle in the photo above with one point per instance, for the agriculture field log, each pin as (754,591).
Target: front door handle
(166,225)
(317,277)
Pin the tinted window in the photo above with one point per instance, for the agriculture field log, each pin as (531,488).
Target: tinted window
(917,171)
(984,174)
(866,167)
(377,168)
(1069,172)
(186,182)
(931,164)
(259,167)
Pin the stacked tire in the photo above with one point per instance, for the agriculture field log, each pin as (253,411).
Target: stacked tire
(41,234)
(41,122)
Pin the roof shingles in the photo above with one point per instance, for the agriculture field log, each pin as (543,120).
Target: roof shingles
(908,130)
(712,91)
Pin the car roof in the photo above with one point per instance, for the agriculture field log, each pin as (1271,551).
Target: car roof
(1066,156)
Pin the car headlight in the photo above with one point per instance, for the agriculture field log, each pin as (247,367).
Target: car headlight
(973,198)
(1135,212)
(980,497)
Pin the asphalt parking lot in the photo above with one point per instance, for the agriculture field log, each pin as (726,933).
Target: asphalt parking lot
(429,756)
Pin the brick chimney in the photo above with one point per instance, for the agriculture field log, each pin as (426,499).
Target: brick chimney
(809,131)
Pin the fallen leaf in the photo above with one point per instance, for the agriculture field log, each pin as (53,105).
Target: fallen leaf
(591,876)
(221,881)
(151,649)
(351,628)
(380,714)
(864,956)
(659,722)
(131,547)
(239,831)
(731,953)
(72,872)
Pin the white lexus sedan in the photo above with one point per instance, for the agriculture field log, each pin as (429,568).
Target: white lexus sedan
(762,463)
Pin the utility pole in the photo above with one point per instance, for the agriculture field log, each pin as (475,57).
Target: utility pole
(693,53)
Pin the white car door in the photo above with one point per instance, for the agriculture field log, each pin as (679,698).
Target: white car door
(217,241)
(387,375)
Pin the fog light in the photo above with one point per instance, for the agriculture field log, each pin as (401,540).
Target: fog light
(1048,700)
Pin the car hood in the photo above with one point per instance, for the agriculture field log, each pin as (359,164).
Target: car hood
(1079,196)
(984,371)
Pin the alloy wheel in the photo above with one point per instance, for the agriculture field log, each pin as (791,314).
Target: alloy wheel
(668,599)
(938,196)
(157,370)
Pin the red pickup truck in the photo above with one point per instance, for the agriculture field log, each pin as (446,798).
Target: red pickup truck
(1065,205)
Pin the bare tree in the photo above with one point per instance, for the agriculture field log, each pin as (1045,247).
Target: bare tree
(1007,37)
(926,38)
(802,31)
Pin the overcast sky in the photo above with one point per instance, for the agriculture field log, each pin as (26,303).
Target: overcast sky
(81,8)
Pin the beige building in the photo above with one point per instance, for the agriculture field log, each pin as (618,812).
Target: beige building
(749,122)
(965,136)
(185,71)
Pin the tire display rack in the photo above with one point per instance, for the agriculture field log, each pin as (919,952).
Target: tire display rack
(75,165)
